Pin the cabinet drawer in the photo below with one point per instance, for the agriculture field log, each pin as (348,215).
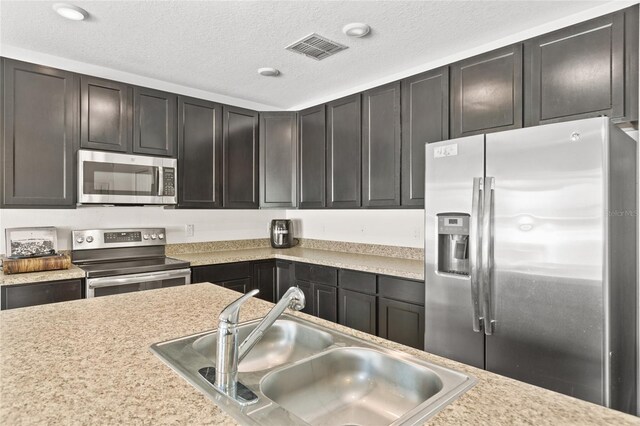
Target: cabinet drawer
(357,281)
(21,296)
(401,289)
(223,272)
(318,274)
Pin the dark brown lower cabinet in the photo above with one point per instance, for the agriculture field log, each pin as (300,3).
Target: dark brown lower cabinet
(357,310)
(401,322)
(20,296)
(264,279)
(284,277)
(242,277)
(324,302)
(320,300)
(241,285)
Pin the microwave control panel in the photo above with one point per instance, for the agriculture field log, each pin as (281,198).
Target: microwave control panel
(169,179)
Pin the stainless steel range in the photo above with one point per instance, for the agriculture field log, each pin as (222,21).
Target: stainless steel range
(125,260)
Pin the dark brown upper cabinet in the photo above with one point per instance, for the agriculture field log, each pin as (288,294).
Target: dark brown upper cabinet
(344,152)
(154,122)
(240,158)
(105,111)
(486,92)
(584,71)
(381,146)
(312,157)
(199,153)
(425,119)
(278,159)
(40,132)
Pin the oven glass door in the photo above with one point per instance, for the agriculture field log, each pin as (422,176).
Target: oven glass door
(106,286)
(119,179)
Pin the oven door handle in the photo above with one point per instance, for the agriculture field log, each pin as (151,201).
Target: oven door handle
(138,278)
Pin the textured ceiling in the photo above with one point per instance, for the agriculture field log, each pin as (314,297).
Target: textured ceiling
(218,46)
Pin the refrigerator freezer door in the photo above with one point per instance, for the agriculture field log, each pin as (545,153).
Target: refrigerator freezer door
(451,167)
(548,263)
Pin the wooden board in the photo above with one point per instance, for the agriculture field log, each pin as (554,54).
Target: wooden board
(35,264)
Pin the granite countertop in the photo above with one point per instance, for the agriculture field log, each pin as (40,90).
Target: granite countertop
(32,277)
(385,260)
(386,265)
(88,362)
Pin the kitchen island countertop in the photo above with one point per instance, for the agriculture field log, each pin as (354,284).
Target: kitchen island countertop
(88,362)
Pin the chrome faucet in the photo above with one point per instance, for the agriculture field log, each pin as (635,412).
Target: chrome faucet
(230,353)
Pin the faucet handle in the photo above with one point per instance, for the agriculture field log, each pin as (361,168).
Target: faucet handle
(231,313)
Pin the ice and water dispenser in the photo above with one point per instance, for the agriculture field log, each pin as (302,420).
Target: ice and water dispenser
(453,243)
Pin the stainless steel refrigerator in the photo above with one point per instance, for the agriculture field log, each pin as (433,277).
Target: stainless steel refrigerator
(530,257)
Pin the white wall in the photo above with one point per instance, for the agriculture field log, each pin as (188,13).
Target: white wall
(209,225)
(389,227)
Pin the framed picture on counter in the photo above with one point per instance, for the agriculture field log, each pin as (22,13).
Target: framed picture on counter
(31,242)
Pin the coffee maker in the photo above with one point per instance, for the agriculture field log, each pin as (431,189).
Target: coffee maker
(281,231)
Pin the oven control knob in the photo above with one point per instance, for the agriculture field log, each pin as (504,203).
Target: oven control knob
(145,236)
(79,240)
(89,239)
(153,236)
(161,236)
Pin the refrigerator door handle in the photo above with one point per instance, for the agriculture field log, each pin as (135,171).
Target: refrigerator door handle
(475,239)
(487,255)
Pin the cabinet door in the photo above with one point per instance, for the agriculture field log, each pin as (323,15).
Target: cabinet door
(325,300)
(401,322)
(343,152)
(199,153)
(425,119)
(486,92)
(312,158)
(579,72)
(357,310)
(241,285)
(240,158)
(265,280)
(39,135)
(284,277)
(278,159)
(21,296)
(154,122)
(309,299)
(105,108)
(381,146)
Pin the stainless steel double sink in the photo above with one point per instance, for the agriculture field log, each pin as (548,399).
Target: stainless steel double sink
(305,374)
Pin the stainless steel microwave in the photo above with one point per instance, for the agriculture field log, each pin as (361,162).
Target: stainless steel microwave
(111,178)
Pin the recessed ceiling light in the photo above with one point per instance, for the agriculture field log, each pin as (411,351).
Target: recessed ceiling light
(70,11)
(356,29)
(268,72)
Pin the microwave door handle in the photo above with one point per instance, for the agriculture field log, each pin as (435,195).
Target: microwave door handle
(487,255)
(475,239)
(160,180)
(112,282)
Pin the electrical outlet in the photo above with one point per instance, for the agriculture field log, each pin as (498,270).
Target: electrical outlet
(188,230)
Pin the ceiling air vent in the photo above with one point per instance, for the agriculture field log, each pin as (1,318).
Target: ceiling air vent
(316,47)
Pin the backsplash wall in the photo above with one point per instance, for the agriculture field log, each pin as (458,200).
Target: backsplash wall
(209,225)
(388,227)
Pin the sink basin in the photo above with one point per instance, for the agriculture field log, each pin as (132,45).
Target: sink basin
(350,386)
(306,374)
(284,342)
